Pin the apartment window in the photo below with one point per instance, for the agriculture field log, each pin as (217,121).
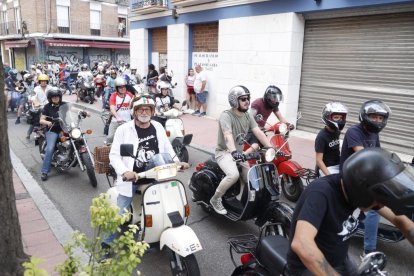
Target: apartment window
(63,16)
(5,21)
(122,21)
(95,18)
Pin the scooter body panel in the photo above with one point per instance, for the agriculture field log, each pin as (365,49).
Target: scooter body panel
(181,240)
(289,167)
(161,201)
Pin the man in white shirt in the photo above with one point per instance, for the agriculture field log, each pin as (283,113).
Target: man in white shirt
(201,90)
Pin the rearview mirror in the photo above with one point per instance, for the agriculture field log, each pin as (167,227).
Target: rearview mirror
(127,150)
(258,118)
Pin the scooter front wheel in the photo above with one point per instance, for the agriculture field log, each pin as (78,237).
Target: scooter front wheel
(292,187)
(181,266)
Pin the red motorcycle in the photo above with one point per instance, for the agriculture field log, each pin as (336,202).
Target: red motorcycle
(290,172)
(99,81)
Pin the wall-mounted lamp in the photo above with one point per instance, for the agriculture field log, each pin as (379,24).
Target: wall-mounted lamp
(174,13)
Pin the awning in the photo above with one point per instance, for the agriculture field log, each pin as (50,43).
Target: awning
(85,44)
(16,43)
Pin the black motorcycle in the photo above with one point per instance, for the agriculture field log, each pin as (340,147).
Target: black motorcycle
(87,90)
(259,197)
(266,255)
(71,148)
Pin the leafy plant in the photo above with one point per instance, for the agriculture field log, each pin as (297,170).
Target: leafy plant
(125,252)
(32,269)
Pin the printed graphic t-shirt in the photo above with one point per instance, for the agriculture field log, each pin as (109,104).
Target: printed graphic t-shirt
(122,105)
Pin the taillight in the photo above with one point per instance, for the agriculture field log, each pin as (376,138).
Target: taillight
(186,210)
(246,258)
(168,133)
(148,221)
(199,166)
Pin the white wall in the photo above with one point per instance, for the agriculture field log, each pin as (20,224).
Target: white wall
(177,50)
(139,50)
(259,51)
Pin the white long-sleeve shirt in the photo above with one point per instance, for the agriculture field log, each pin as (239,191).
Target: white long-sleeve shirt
(127,134)
(41,95)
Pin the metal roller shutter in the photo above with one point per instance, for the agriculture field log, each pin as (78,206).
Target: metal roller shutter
(354,59)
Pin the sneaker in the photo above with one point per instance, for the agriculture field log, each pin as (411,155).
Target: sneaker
(196,113)
(218,206)
(44,176)
(17,121)
(202,114)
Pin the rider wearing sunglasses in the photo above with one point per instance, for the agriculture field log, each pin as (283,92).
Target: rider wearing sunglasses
(232,124)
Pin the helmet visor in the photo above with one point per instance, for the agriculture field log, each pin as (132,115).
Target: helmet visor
(397,193)
(275,97)
(377,108)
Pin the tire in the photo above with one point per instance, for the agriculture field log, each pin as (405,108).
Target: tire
(189,263)
(87,162)
(183,155)
(293,188)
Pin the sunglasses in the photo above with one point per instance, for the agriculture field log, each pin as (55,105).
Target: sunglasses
(244,99)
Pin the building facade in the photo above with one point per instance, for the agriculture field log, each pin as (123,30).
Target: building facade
(69,31)
(315,51)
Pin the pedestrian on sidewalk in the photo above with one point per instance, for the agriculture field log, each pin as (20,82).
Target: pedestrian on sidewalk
(373,117)
(201,90)
(191,96)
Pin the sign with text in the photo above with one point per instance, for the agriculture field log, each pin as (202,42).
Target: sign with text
(207,60)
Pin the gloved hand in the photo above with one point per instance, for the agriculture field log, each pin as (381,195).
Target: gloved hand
(291,126)
(238,155)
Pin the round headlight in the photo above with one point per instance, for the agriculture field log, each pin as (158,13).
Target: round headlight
(270,155)
(283,128)
(75,133)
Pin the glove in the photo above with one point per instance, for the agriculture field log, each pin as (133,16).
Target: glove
(238,155)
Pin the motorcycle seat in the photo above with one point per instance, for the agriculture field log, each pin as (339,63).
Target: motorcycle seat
(272,253)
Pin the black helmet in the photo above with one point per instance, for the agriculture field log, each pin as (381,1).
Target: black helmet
(54,91)
(272,96)
(376,107)
(331,109)
(375,174)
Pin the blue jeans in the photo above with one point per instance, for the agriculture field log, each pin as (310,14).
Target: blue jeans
(123,203)
(371,230)
(107,94)
(51,138)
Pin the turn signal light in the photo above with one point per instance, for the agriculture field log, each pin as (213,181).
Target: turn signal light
(199,166)
(88,131)
(168,133)
(186,210)
(148,220)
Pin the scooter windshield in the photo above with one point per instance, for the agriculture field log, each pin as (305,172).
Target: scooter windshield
(68,114)
(159,160)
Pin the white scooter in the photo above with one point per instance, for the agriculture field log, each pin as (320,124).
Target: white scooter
(162,212)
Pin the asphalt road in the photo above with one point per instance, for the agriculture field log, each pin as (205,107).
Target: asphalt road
(72,193)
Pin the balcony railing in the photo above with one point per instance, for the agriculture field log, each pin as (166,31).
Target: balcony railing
(184,3)
(9,28)
(148,6)
(84,28)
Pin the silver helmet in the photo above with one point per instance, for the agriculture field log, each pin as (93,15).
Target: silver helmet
(235,93)
(334,108)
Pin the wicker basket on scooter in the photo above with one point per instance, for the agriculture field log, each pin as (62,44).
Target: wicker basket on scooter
(101,155)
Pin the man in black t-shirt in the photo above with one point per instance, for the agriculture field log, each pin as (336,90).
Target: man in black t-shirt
(50,110)
(327,140)
(326,214)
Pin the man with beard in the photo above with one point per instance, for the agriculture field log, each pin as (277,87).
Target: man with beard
(148,138)
(232,123)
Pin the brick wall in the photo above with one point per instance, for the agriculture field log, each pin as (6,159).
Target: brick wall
(205,37)
(159,40)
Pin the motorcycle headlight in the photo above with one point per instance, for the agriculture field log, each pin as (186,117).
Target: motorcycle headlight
(283,128)
(270,155)
(75,133)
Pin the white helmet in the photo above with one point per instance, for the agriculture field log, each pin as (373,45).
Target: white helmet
(27,76)
(146,100)
(164,85)
(331,109)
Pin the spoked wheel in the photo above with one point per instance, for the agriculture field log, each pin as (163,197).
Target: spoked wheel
(183,155)
(181,266)
(89,168)
(292,187)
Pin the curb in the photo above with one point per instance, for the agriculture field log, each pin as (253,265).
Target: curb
(57,223)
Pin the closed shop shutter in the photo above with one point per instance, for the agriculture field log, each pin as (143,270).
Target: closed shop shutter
(355,59)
